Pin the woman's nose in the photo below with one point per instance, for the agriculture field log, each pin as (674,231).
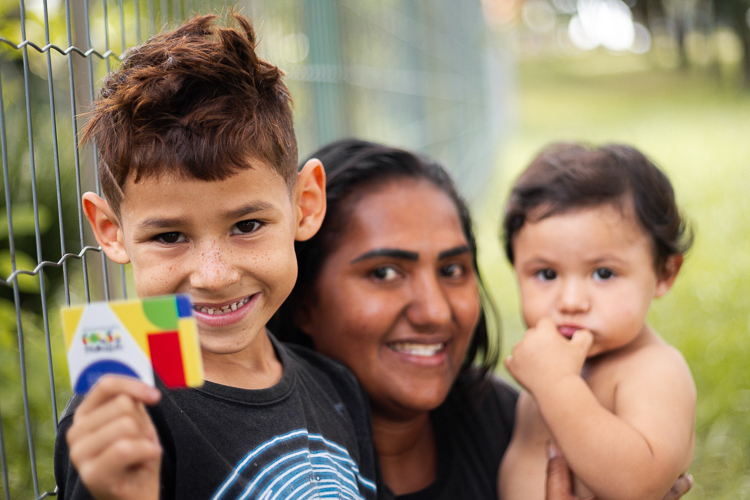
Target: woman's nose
(574,297)
(214,268)
(429,304)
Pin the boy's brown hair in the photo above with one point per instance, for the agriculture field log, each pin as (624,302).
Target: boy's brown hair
(570,176)
(197,102)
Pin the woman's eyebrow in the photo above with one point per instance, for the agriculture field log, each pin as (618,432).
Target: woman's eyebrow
(387,252)
(454,252)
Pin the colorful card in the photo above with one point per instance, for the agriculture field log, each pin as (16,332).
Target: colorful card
(129,338)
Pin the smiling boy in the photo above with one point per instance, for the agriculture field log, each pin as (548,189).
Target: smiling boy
(198,165)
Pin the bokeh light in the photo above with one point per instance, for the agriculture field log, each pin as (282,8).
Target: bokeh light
(606,23)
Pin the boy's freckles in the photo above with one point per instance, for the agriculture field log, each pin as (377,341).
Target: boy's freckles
(227,243)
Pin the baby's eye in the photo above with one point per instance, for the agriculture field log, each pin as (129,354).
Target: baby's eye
(246,226)
(170,238)
(453,271)
(604,274)
(546,274)
(385,273)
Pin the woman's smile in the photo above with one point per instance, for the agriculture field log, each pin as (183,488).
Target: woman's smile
(397,300)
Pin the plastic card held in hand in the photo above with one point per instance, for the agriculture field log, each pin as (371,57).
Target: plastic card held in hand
(129,338)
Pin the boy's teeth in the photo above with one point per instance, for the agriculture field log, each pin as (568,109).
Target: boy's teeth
(415,349)
(223,309)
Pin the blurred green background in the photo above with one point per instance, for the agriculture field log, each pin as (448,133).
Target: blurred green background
(696,127)
(481,85)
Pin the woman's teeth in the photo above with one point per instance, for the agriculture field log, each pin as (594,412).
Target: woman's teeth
(415,349)
(223,309)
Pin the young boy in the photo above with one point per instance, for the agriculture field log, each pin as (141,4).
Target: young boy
(594,236)
(198,165)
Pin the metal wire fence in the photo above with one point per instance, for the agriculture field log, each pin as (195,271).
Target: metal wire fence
(405,72)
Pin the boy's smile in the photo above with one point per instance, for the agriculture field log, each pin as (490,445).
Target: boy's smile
(590,268)
(227,243)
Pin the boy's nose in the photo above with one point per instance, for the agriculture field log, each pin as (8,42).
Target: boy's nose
(214,269)
(573,298)
(429,304)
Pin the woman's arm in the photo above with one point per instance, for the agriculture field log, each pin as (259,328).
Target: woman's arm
(559,484)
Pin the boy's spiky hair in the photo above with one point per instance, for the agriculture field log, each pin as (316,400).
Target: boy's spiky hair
(197,102)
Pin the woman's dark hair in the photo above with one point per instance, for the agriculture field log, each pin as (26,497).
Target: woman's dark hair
(355,168)
(569,176)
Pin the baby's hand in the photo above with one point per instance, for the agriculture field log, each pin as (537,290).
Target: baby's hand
(113,443)
(544,356)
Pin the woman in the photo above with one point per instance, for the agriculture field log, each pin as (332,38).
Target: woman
(389,287)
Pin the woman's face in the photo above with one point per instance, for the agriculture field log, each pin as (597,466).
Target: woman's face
(397,300)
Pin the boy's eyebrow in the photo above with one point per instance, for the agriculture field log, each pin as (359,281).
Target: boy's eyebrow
(170,222)
(453,252)
(387,252)
(250,208)
(161,222)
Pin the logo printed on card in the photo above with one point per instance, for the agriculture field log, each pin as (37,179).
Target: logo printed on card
(102,340)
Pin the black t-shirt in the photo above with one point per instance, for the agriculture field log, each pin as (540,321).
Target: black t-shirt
(473,428)
(310,432)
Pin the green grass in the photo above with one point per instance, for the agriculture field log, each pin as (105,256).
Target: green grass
(697,130)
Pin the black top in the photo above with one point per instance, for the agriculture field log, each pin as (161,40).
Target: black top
(309,432)
(473,429)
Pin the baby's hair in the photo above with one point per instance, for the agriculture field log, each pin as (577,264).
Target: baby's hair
(196,102)
(570,176)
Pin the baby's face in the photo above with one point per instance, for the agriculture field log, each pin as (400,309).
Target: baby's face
(589,268)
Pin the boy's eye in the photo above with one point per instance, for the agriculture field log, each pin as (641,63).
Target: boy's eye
(246,226)
(453,271)
(385,273)
(546,274)
(604,274)
(170,238)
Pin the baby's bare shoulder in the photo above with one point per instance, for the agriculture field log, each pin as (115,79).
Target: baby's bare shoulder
(654,359)
(653,367)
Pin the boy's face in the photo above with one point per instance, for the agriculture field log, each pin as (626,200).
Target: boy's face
(590,268)
(229,244)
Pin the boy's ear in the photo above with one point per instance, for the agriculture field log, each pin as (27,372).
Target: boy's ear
(106,227)
(310,199)
(668,274)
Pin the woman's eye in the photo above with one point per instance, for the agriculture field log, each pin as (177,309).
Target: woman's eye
(246,226)
(170,238)
(546,274)
(604,274)
(453,270)
(384,274)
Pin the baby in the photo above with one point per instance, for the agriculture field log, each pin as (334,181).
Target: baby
(594,236)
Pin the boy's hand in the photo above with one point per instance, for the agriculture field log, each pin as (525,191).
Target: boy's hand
(113,443)
(544,356)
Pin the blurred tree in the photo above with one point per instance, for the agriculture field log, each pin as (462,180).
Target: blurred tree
(734,13)
(679,20)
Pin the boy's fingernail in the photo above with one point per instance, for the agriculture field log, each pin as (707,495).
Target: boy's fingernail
(153,393)
(551,450)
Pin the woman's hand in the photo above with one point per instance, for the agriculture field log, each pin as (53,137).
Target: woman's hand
(559,484)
